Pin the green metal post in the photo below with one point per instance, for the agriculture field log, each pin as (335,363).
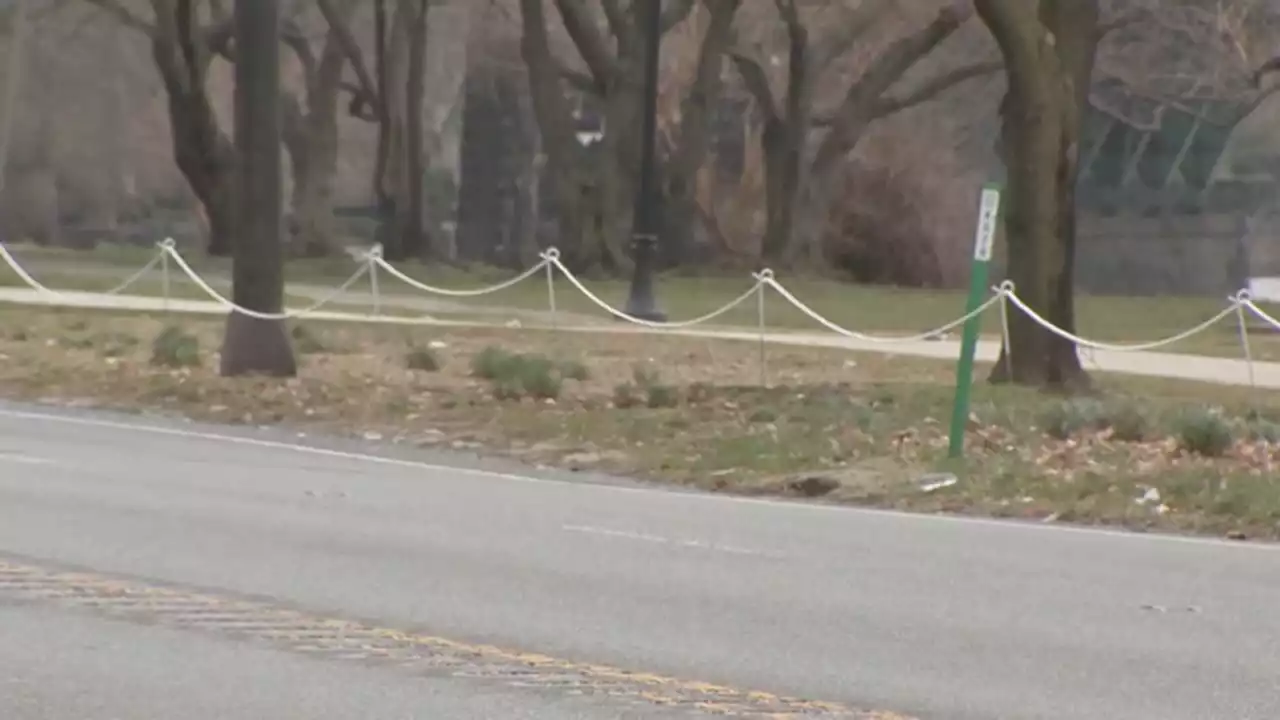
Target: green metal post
(983,243)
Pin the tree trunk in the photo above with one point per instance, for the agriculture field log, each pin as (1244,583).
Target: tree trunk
(413,218)
(1048,52)
(680,211)
(202,152)
(589,222)
(311,138)
(251,345)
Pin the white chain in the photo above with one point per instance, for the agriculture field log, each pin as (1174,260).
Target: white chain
(1112,347)
(40,287)
(168,246)
(549,262)
(761,278)
(376,254)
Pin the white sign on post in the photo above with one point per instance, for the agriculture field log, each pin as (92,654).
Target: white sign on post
(988,213)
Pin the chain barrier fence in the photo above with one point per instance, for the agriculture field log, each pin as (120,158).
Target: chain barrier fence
(371,262)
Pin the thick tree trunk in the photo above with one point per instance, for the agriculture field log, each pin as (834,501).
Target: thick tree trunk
(413,217)
(1048,51)
(203,153)
(252,345)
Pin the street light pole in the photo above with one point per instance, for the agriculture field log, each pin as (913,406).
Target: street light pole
(644,234)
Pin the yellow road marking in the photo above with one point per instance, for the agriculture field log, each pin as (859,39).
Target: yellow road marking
(349,640)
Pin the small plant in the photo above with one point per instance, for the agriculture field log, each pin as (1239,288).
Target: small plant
(1065,419)
(645,376)
(422,359)
(507,388)
(492,363)
(626,395)
(175,348)
(657,394)
(1205,433)
(700,392)
(661,396)
(1130,424)
(306,342)
(574,370)
(539,377)
(516,375)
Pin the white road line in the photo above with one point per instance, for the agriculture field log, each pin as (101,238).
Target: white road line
(659,540)
(1004,525)
(24,459)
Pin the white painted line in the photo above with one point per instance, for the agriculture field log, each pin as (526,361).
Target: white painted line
(659,540)
(24,459)
(1004,525)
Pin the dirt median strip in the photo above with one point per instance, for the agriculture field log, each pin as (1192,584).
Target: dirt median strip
(716,414)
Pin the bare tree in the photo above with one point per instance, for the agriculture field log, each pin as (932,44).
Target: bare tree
(391,95)
(593,185)
(185,36)
(310,134)
(800,186)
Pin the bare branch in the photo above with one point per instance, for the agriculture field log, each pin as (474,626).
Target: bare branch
(855,23)
(124,16)
(588,39)
(756,82)
(368,89)
(937,86)
(675,12)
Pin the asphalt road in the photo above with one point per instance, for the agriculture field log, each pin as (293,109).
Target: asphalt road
(61,666)
(933,617)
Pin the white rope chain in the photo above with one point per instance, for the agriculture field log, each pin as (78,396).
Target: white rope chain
(549,264)
(168,247)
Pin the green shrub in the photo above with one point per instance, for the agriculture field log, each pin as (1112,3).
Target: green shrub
(1205,433)
(175,348)
(1130,424)
(1066,418)
(539,377)
(492,363)
(422,359)
(516,375)
(626,395)
(658,395)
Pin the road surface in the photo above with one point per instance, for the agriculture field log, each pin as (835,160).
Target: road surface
(149,564)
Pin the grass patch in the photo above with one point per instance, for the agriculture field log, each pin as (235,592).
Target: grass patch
(1144,453)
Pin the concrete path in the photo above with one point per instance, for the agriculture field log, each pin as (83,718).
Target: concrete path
(926,616)
(1225,371)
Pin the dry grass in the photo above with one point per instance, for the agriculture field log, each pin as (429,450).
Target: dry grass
(865,429)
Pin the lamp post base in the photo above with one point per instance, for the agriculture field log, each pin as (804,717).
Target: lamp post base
(640,302)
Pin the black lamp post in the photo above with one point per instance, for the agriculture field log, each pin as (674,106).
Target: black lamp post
(644,234)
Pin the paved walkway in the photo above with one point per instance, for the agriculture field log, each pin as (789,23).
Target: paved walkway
(1226,371)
